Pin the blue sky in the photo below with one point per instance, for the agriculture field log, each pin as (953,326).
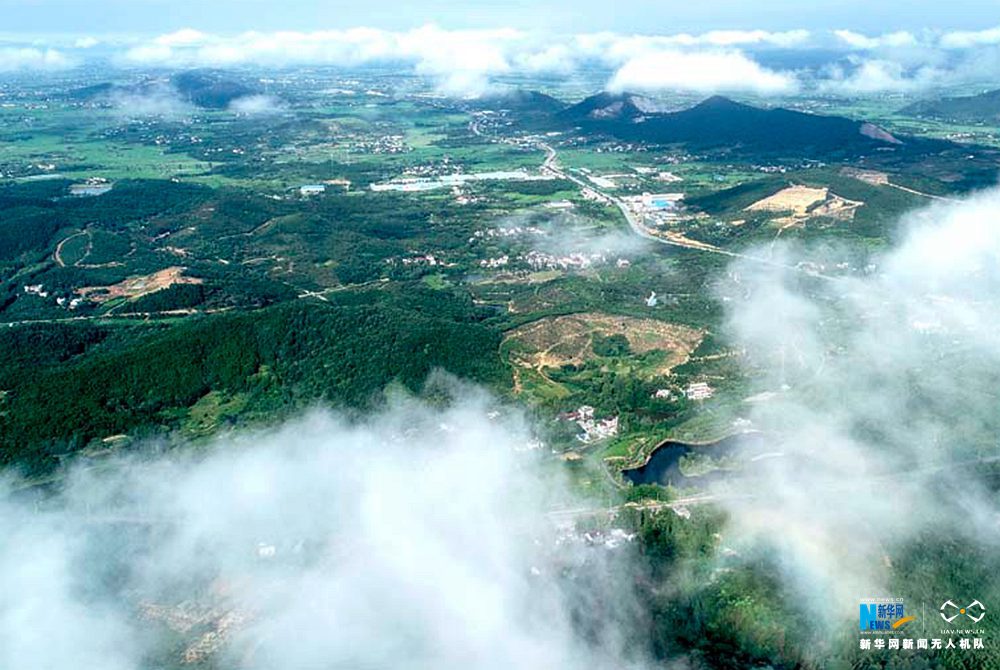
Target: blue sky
(646,16)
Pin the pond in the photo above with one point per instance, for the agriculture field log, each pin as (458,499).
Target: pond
(663,466)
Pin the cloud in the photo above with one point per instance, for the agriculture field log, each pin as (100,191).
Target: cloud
(185,37)
(969,39)
(461,61)
(859,41)
(703,72)
(153,100)
(731,38)
(24,58)
(256,105)
(468,62)
(881,381)
(415,538)
(879,75)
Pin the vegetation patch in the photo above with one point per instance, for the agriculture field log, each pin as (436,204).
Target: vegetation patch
(574,339)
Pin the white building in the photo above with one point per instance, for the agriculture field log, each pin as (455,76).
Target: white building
(699,391)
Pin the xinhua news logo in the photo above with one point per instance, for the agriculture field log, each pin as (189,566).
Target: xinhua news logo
(882,616)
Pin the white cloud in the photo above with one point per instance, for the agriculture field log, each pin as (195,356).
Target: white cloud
(878,76)
(703,72)
(862,397)
(86,43)
(968,39)
(181,38)
(160,100)
(415,538)
(465,62)
(256,105)
(615,49)
(859,41)
(461,60)
(30,58)
(730,38)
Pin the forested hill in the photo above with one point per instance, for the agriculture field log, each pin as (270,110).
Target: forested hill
(719,122)
(982,108)
(70,385)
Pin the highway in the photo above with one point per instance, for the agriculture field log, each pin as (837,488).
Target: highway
(636,223)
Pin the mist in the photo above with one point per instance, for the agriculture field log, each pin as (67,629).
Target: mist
(257,105)
(158,100)
(880,401)
(414,538)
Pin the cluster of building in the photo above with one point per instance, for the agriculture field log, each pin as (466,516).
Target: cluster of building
(594,429)
(386,144)
(610,538)
(656,208)
(91,187)
(36,289)
(494,263)
(539,260)
(213,640)
(506,232)
(318,189)
(429,260)
(659,175)
(699,391)
(39,290)
(454,180)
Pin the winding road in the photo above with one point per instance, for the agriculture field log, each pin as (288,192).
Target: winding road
(638,226)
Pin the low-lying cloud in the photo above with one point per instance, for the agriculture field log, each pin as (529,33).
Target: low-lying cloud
(882,390)
(415,538)
(257,105)
(155,100)
(14,59)
(702,72)
(468,62)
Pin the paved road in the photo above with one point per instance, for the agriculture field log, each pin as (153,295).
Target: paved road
(638,226)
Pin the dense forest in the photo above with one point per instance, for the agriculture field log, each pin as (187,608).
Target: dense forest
(66,385)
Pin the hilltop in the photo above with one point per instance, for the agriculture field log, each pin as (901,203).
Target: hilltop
(982,108)
(524,101)
(606,106)
(719,122)
(204,89)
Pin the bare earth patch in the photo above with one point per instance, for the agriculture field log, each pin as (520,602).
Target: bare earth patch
(569,340)
(805,202)
(873,177)
(796,199)
(135,287)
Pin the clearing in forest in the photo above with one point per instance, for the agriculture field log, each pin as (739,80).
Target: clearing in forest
(569,340)
(805,202)
(135,287)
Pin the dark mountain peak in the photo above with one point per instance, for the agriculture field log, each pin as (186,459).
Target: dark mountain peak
(724,124)
(203,88)
(524,101)
(606,106)
(211,90)
(720,102)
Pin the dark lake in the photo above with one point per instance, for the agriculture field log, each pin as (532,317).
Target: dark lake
(663,466)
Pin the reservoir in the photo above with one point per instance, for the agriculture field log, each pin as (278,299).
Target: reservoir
(663,466)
